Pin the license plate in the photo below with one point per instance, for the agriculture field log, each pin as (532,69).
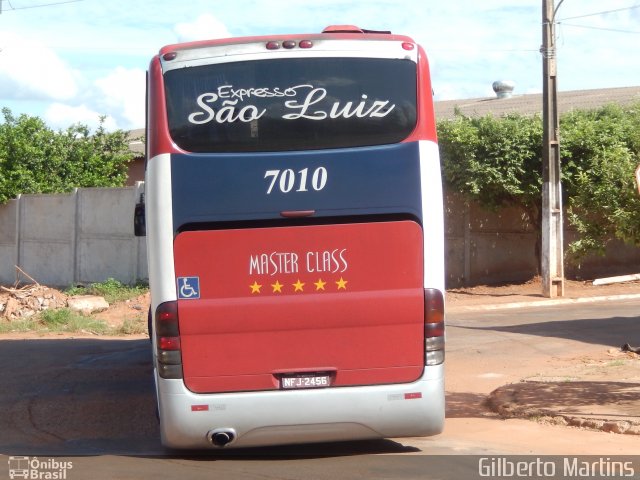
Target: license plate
(305,381)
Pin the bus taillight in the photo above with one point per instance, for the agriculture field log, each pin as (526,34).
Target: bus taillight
(288,44)
(168,341)
(170,56)
(434,326)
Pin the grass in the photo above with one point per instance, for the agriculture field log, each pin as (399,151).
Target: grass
(60,320)
(130,327)
(65,320)
(112,290)
(21,325)
(616,363)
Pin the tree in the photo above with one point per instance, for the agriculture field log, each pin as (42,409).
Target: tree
(498,162)
(601,150)
(36,159)
(495,161)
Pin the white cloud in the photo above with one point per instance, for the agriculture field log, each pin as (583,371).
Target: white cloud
(59,115)
(206,26)
(122,95)
(31,70)
(119,96)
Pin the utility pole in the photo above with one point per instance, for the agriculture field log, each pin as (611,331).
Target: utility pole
(552,233)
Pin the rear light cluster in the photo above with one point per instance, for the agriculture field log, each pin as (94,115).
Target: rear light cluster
(288,44)
(168,341)
(434,326)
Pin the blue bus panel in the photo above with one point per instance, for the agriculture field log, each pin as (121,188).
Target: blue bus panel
(380,180)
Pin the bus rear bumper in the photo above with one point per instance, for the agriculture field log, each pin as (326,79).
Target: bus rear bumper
(189,420)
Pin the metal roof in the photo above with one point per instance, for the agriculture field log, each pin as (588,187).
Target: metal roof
(531,104)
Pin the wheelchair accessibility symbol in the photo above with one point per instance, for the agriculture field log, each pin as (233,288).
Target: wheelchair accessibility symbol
(188,288)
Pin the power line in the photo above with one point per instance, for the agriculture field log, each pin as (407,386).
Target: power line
(601,13)
(600,28)
(12,8)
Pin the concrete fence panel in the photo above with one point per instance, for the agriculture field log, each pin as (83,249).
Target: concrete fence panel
(106,247)
(46,232)
(78,238)
(8,241)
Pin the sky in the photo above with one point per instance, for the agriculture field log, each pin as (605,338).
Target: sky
(70,61)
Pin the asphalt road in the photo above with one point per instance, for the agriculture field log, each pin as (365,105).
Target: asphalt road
(90,401)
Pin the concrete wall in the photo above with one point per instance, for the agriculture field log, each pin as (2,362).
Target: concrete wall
(8,240)
(485,247)
(87,236)
(79,238)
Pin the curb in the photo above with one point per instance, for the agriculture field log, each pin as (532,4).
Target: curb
(503,401)
(542,303)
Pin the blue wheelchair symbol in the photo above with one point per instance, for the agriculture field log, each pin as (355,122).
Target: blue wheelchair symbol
(188,288)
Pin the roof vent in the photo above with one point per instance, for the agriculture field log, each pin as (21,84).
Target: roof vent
(504,88)
(342,29)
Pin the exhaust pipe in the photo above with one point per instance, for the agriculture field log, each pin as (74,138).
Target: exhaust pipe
(221,437)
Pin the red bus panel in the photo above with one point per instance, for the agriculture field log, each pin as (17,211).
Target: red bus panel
(344,301)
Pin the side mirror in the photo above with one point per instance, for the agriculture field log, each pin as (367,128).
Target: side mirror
(139,219)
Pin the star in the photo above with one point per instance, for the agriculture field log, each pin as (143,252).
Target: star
(277,287)
(342,284)
(255,288)
(320,284)
(298,286)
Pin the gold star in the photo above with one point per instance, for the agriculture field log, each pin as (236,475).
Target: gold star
(255,288)
(277,287)
(320,284)
(342,284)
(298,286)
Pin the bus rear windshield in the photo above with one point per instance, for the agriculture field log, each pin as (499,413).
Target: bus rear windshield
(291,104)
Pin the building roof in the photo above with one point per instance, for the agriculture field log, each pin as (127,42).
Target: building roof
(136,145)
(532,103)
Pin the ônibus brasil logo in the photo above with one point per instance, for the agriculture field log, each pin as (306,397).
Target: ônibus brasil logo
(36,469)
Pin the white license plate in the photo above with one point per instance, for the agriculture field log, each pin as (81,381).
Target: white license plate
(305,381)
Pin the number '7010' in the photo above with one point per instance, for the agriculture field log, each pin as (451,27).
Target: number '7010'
(287,180)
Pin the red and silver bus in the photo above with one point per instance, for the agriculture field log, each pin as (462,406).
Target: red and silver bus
(295,240)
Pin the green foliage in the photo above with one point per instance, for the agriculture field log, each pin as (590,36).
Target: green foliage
(67,321)
(495,161)
(601,150)
(112,290)
(498,162)
(36,159)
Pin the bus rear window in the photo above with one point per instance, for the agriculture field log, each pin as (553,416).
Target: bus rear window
(291,104)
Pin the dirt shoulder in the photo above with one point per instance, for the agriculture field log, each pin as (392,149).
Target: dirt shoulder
(37,310)
(596,391)
(502,296)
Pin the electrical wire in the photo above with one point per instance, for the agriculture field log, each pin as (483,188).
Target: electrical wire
(601,13)
(12,8)
(599,28)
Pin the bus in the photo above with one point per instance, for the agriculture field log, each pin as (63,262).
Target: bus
(294,222)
